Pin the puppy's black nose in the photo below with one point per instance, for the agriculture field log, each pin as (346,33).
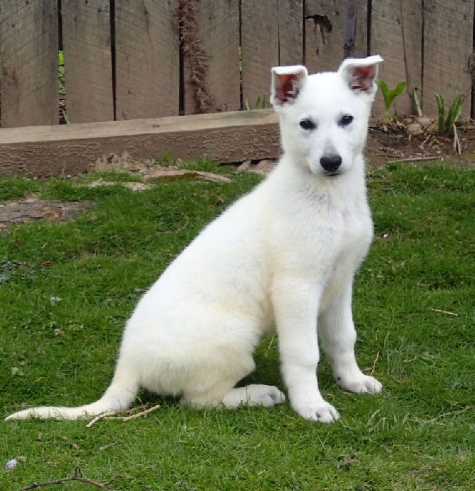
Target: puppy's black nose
(330,163)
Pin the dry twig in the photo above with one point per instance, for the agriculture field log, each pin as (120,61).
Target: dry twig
(457,145)
(103,416)
(114,415)
(77,477)
(142,414)
(109,445)
(453,314)
(373,367)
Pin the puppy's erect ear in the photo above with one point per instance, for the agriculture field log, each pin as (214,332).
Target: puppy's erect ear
(359,73)
(286,83)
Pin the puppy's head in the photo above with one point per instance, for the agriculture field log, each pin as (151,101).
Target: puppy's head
(324,117)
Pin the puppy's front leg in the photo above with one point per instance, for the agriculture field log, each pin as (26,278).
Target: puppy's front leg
(338,338)
(295,307)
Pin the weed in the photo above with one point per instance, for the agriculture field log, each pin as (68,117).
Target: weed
(447,122)
(390,95)
(417,104)
(62,87)
(259,104)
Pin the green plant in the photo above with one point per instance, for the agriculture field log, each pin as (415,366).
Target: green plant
(417,104)
(390,95)
(62,87)
(259,104)
(61,72)
(447,123)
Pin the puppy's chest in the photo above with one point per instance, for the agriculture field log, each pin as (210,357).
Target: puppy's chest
(347,234)
(318,245)
(343,248)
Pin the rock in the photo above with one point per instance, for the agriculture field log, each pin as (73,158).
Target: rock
(424,121)
(414,129)
(263,166)
(245,166)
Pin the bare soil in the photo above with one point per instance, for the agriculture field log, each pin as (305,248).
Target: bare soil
(412,141)
(31,209)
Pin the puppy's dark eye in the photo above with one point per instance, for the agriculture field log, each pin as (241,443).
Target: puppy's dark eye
(346,120)
(307,125)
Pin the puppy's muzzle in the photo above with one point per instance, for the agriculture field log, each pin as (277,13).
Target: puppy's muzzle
(331,163)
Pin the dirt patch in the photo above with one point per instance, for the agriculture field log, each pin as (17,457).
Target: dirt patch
(32,209)
(416,140)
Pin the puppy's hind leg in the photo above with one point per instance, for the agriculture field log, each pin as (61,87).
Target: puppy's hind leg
(216,387)
(250,395)
(253,395)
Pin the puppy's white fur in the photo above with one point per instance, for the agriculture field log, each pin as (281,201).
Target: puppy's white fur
(282,257)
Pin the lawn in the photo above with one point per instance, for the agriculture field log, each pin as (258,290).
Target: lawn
(67,288)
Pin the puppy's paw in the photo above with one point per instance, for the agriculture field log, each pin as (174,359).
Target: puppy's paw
(361,384)
(321,412)
(264,395)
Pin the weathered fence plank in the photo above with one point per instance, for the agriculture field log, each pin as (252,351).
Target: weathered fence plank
(267,39)
(126,64)
(259,48)
(217,35)
(396,34)
(290,18)
(29,58)
(70,149)
(448,47)
(325,24)
(147,59)
(87,60)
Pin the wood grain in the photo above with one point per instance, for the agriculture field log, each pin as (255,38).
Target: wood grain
(271,35)
(29,54)
(396,35)
(448,47)
(325,33)
(259,48)
(87,60)
(290,24)
(70,149)
(218,36)
(147,59)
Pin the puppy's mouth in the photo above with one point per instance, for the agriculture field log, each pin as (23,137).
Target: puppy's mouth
(333,173)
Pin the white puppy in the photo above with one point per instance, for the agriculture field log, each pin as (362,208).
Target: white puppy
(282,257)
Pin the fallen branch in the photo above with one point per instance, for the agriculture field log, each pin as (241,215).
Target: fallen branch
(414,159)
(114,415)
(77,477)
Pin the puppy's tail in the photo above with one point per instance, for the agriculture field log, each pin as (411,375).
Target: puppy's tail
(119,396)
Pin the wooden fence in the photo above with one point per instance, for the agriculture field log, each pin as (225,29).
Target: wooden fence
(127,59)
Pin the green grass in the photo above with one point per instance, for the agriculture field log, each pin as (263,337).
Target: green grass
(417,435)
